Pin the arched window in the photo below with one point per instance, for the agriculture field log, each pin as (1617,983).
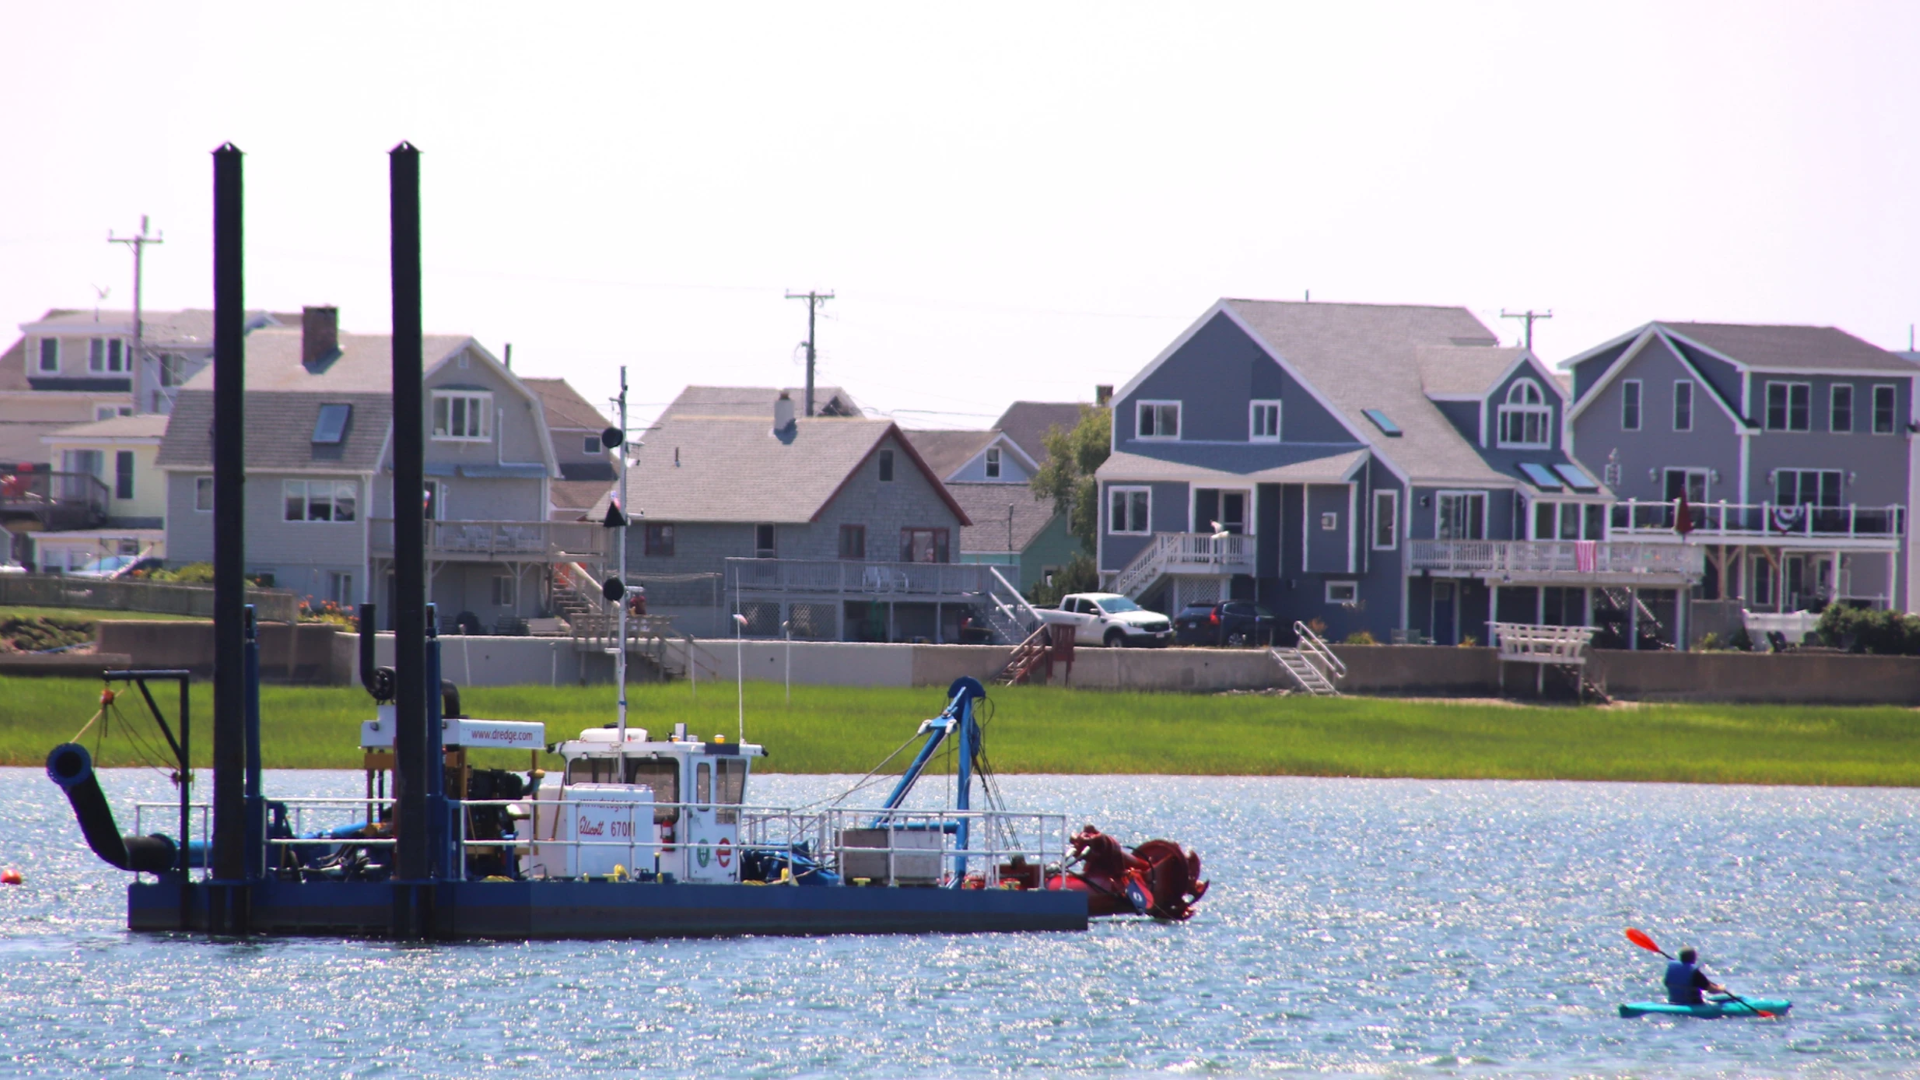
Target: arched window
(1526,421)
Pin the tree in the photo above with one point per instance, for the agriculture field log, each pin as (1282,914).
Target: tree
(1067,477)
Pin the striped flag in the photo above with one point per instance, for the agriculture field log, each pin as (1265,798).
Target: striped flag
(1586,555)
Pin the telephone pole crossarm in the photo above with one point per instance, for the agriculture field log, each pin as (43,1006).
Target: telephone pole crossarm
(1531,316)
(814,300)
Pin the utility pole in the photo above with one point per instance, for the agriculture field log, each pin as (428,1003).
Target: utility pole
(1530,316)
(138,244)
(814,300)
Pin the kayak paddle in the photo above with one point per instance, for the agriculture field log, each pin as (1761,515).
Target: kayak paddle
(1640,938)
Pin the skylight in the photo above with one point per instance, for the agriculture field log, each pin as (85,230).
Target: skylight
(1542,477)
(1575,478)
(1386,426)
(331,427)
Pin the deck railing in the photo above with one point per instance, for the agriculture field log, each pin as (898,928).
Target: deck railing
(57,500)
(503,540)
(1186,553)
(957,581)
(1571,557)
(1767,521)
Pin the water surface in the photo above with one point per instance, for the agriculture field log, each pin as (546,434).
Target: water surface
(1355,927)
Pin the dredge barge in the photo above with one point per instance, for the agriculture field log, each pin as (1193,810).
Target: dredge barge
(636,835)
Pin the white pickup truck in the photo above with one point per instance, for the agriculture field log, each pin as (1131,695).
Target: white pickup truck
(1109,619)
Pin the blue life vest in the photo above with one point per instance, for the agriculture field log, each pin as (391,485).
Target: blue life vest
(1680,988)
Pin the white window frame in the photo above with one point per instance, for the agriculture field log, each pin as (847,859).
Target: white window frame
(1833,397)
(1256,414)
(1787,386)
(1682,388)
(1515,416)
(1350,588)
(1893,409)
(993,463)
(107,356)
(1439,512)
(442,424)
(1386,509)
(1139,410)
(203,484)
(1129,490)
(40,361)
(507,584)
(1636,391)
(590,444)
(335,489)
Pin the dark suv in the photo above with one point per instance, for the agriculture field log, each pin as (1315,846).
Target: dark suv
(1230,622)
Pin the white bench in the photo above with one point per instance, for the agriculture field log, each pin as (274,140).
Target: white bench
(1558,646)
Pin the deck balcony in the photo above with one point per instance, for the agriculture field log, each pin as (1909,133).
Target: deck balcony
(1878,528)
(1568,562)
(503,541)
(46,500)
(1186,554)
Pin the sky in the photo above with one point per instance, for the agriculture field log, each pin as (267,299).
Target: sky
(1009,201)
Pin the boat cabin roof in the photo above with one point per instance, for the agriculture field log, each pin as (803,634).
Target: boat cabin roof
(604,742)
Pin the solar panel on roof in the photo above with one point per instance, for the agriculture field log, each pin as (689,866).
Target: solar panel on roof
(331,426)
(1575,478)
(1391,429)
(1542,477)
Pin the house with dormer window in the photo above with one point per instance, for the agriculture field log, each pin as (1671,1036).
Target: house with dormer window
(1381,468)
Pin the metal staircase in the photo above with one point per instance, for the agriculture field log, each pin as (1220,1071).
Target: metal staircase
(1304,663)
(1012,618)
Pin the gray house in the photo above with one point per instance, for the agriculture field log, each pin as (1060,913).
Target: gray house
(987,472)
(1790,445)
(320,475)
(1387,469)
(835,527)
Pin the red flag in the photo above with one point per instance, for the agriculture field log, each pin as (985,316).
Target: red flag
(1683,517)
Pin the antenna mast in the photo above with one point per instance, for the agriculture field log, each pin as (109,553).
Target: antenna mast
(138,244)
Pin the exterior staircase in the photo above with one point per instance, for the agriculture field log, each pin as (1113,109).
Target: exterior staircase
(1013,619)
(1209,554)
(1311,665)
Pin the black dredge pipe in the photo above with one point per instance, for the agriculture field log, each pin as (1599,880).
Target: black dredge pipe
(71,767)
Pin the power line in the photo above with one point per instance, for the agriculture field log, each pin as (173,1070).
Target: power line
(1530,316)
(814,300)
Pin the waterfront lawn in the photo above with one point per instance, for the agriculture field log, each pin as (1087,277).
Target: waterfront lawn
(1051,730)
(89,615)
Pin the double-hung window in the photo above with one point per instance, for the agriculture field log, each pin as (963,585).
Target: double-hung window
(1129,511)
(1526,419)
(763,542)
(993,463)
(1789,406)
(1883,403)
(463,415)
(49,356)
(1461,515)
(853,542)
(1386,519)
(1157,420)
(659,539)
(1683,405)
(203,494)
(1630,405)
(106,356)
(1840,408)
(320,500)
(1263,421)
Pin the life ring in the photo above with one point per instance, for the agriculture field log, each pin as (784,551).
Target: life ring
(725,853)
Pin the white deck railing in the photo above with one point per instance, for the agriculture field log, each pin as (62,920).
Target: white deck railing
(969,581)
(1186,553)
(1570,557)
(1762,520)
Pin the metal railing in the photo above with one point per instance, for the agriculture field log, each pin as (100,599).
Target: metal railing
(57,500)
(164,598)
(1185,553)
(548,541)
(1583,557)
(968,581)
(1313,645)
(1762,520)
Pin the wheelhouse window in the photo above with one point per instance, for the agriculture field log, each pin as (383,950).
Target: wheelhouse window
(1789,406)
(853,541)
(763,546)
(993,463)
(1461,515)
(1157,420)
(1386,519)
(1128,510)
(1840,408)
(1263,421)
(1630,405)
(1683,405)
(1883,403)
(659,541)
(320,500)
(923,545)
(1526,420)
(463,415)
(49,355)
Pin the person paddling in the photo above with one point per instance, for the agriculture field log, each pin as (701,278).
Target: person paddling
(1685,980)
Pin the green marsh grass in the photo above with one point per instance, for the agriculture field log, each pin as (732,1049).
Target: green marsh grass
(1053,730)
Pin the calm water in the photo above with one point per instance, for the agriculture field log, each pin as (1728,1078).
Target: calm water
(1355,927)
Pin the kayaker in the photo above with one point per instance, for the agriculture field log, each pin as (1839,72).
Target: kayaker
(1685,980)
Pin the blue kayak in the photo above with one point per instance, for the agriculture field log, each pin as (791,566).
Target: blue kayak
(1715,1007)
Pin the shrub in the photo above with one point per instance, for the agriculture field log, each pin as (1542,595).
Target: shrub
(1360,637)
(1871,630)
(1468,641)
(327,612)
(199,573)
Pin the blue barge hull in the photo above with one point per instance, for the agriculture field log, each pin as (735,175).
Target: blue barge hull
(521,910)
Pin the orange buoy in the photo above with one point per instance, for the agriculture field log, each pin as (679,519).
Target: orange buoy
(11,876)
(106,696)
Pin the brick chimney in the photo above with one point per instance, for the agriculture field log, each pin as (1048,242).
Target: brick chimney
(319,334)
(783,415)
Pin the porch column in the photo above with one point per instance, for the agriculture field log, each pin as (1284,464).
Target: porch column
(1682,605)
(1540,606)
(1633,617)
(1493,610)
(939,627)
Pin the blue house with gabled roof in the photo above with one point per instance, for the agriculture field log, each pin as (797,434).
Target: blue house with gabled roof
(1381,468)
